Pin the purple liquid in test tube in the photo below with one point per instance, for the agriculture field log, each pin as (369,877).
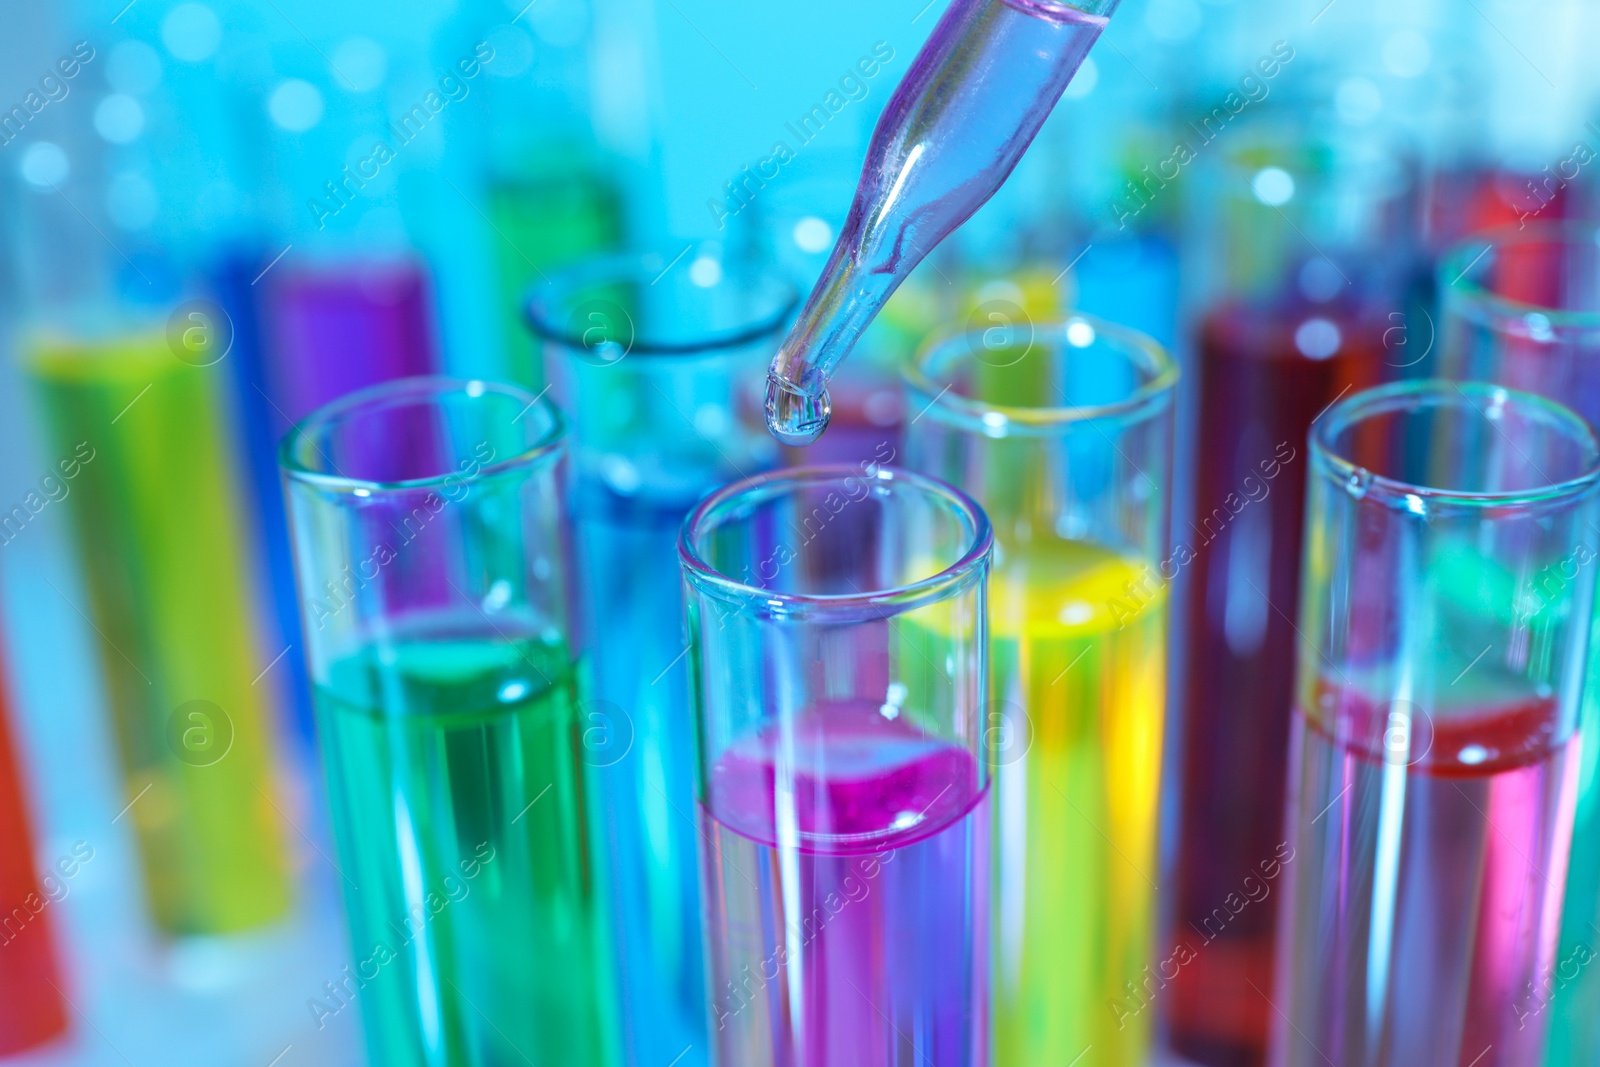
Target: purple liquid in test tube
(334,331)
(951,134)
(302,337)
(843,791)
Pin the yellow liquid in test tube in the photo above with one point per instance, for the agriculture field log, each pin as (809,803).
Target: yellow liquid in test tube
(159,537)
(1075,791)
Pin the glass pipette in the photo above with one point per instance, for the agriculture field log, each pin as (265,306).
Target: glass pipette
(968,108)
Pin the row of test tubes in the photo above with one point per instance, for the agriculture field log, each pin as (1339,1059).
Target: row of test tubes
(471,542)
(542,588)
(924,696)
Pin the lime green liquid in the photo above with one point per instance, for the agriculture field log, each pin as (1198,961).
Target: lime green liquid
(156,519)
(1076,794)
(461,812)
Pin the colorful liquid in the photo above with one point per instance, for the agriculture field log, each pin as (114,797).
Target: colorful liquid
(156,516)
(334,331)
(1422,894)
(1259,392)
(956,125)
(461,811)
(541,222)
(1569,993)
(640,742)
(844,859)
(300,339)
(1078,670)
(1549,273)
(31,1006)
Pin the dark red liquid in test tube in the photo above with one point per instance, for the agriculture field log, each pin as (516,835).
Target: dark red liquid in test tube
(1266,370)
(32,1009)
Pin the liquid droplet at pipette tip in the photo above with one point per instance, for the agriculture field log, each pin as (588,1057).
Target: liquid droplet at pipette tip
(794,416)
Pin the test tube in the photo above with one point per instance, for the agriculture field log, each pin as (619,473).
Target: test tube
(33,1009)
(658,357)
(155,510)
(1306,274)
(434,584)
(837,624)
(300,337)
(1521,307)
(1063,432)
(1434,755)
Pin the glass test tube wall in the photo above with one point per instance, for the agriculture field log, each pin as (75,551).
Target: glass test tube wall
(1434,754)
(1065,438)
(1304,275)
(660,363)
(299,339)
(1521,307)
(433,562)
(154,510)
(837,626)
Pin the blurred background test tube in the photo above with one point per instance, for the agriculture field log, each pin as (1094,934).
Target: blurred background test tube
(1434,757)
(432,555)
(154,509)
(837,633)
(1303,265)
(658,357)
(1521,307)
(34,1008)
(1063,433)
(302,336)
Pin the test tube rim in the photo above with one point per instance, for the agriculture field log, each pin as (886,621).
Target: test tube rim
(970,568)
(1476,303)
(1150,398)
(545,448)
(1400,495)
(1100,9)
(545,329)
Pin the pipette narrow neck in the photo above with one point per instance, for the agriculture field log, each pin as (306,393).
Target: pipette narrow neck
(840,307)
(968,107)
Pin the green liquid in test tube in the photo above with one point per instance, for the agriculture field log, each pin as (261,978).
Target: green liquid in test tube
(547,220)
(431,555)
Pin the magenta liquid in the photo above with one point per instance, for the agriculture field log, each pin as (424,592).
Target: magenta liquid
(846,866)
(1423,898)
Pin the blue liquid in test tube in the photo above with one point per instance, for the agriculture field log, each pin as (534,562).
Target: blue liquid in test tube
(657,358)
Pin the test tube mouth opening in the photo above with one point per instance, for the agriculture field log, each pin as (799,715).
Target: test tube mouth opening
(1056,8)
(421,433)
(1538,280)
(704,305)
(753,502)
(1431,445)
(1127,377)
